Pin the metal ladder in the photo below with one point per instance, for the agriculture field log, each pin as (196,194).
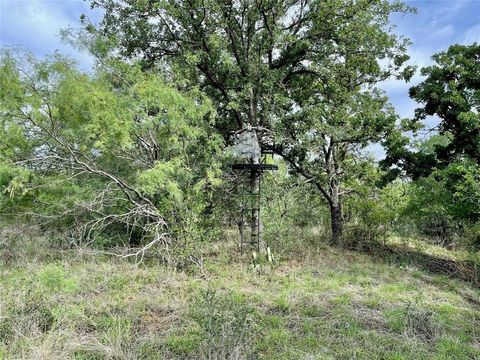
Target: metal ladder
(250,207)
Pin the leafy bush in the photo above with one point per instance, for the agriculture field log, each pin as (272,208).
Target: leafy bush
(445,206)
(54,279)
(372,212)
(293,215)
(117,156)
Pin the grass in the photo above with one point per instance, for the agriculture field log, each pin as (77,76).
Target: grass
(324,304)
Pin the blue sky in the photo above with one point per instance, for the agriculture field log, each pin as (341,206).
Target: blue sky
(438,24)
(35,24)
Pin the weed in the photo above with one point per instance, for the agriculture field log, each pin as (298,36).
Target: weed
(53,277)
(227,324)
(413,320)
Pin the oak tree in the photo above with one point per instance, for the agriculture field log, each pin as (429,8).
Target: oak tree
(304,69)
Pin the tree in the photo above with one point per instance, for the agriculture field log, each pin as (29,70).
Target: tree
(118,152)
(446,166)
(325,142)
(451,92)
(277,65)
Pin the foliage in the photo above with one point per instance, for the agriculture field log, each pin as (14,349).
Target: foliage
(446,203)
(117,154)
(304,70)
(451,91)
(226,325)
(293,215)
(374,213)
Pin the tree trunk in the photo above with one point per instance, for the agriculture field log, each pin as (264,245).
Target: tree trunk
(337,223)
(336,216)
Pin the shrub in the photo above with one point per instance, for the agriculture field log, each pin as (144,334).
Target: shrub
(223,325)
(119,156)
(373,214)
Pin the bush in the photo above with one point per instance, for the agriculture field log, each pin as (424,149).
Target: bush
(223,328)
(372,216)
(293,214)
(445,206)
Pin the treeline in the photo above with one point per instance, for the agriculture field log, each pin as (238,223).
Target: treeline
(138,152)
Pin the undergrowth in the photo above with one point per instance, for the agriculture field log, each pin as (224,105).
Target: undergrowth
(325,303)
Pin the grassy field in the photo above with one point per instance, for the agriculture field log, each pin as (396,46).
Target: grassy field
(325,304)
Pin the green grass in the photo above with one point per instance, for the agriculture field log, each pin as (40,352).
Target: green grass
(335,304)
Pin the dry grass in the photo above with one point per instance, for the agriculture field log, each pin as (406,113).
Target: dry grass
(323,304)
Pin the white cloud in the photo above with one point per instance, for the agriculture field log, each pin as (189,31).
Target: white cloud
(472,35)
(418,57)
(449,10)
(441,32)
(36,25)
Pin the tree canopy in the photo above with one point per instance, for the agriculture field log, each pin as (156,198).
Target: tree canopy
(451,92)
(303,70)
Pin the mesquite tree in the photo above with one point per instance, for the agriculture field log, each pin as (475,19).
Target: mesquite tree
(303,68)
(114,154)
